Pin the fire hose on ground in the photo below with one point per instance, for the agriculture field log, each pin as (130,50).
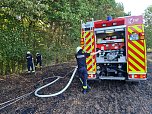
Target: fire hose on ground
(55,94)
(9,102)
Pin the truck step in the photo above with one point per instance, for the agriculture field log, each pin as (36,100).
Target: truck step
(111,78)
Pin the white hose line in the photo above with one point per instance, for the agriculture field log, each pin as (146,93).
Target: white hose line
(25,95)
(55,94)
(15,100)
(9,102)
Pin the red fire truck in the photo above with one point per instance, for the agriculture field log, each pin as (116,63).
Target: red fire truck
(123,46)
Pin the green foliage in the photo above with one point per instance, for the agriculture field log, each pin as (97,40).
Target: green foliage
(51,27)
(148,26)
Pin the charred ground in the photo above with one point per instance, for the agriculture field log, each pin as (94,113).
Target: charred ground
(105,97)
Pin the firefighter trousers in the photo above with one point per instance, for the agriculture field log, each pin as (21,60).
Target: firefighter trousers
(39,63)
(30,66)
(83,75)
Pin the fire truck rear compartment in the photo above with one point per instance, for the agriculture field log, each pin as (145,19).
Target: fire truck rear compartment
(111,62)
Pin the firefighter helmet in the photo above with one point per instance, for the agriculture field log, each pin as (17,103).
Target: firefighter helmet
(78,49)
(28,52)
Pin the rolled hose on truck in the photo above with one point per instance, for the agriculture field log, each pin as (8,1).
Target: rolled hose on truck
(9,102)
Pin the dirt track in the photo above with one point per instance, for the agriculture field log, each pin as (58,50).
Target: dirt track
(105,97)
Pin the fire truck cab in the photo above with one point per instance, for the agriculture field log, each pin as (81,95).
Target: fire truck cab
(123,48)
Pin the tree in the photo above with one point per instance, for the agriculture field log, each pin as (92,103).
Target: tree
(51,27)
(148,26)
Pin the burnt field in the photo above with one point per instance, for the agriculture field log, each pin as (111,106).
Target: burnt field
(105,97)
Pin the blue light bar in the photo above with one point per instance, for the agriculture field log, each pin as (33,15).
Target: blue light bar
(109,18)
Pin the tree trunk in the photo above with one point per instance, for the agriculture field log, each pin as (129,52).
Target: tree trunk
(1,68)
(13,66)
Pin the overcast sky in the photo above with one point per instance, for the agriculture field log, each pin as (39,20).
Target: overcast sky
(136,7)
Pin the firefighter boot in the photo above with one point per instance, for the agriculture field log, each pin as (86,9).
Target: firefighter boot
(84,91)
(35,67)
(88,87)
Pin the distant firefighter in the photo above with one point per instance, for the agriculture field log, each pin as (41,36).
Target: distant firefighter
(30,64)
(38,60)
